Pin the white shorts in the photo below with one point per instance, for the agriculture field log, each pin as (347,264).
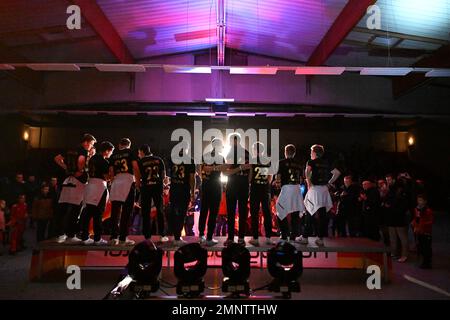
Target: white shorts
(94,191)
(316,198)
(121,186)
(72,191)
(290,200)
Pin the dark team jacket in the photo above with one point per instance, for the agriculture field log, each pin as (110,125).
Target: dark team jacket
(348,198)
(211,178)
(98,167)
(236,162)
(152,169)
(180,174)
(71,162)
(122,161)
(373,202)
(290,171)
(260,175)
(396,205)
(320,171)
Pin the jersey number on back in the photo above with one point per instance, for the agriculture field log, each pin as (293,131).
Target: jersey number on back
(122,165)
(152,174)
(179,171)
(261,173)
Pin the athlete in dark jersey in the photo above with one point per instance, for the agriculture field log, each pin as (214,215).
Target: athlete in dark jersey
(260,181)
(318,176)
(211,192)
(153,173)
(99,166)
(125,169)
(98,175)
(320,171)
(289,173)
(182,188)
(74,163)
(237,188)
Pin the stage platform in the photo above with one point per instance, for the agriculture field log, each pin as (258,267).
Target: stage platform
(338,253)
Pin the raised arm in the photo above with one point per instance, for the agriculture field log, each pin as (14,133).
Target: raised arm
(59,159)
(335,175)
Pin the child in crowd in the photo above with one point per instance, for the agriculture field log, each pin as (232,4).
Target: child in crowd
(19,215)
(422,227)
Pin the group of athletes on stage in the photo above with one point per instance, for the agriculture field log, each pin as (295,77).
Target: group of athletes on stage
(119,174)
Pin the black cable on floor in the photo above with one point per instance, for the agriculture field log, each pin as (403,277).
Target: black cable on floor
(164,291)
(170,285)
(261,288)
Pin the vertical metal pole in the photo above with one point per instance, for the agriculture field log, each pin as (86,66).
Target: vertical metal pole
(221,32)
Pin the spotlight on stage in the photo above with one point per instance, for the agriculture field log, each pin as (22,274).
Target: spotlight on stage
(285,265)
(190,264)
(236,270)
(144,266)
(143,270)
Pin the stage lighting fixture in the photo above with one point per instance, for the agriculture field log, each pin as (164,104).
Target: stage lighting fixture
(190,264)
(26,135)
(285,264)
(144,267)
(236,269)
(223,178)
(411,141)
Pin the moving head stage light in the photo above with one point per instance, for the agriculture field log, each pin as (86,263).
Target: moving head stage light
(285,265)
(144,267)
(190,264)
(236,270)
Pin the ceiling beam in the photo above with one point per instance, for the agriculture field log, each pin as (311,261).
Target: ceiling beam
(55,43)
(24,76)
(404,36)
(403,85)
(96,18)
(350,15)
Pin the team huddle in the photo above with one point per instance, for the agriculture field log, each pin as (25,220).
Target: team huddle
(95,176)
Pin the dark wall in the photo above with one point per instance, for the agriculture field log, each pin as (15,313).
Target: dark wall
(368,145)
(13,148)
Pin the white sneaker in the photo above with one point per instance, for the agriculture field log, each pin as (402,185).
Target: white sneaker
(179,243)
(254,242)
(74,240)
(202,239)
(61,238)
(164,239)
(128,242)
(212,242)
(319,242)
(114,242)
(302,240)
(88,242)
(101,242)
